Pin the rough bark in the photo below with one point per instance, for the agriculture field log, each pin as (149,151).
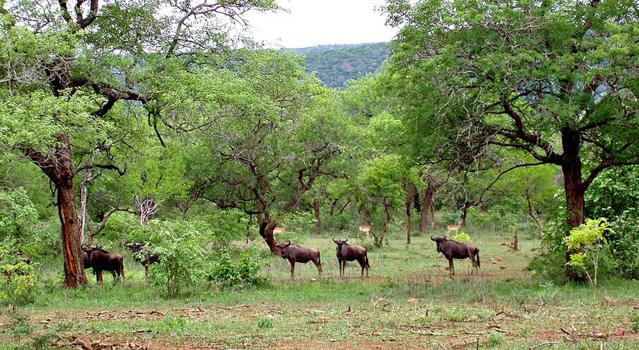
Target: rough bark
(266,228)
(427,207)
(60,171)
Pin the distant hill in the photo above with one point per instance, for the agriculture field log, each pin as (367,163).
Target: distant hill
(336,64)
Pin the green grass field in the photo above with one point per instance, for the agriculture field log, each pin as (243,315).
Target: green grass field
(408,302)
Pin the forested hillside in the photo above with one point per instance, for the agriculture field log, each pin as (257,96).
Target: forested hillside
(336,64)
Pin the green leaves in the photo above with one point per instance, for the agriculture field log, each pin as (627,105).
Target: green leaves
(588,235)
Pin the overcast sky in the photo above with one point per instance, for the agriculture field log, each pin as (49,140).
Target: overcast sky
(320,22)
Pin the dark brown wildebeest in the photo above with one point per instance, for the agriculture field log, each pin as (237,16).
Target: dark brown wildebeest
(101,260)
(143,256)
(456,250)
(346,252)
(294,253)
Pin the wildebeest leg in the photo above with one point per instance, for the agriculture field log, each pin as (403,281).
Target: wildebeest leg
(318,264)
(451,267)
(146,273)
(292,268)
(98,276)
(342,264)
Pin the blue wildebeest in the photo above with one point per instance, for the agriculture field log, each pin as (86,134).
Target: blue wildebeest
(456,250)
(143,256)
(346,252)
(294,253)
(101,260)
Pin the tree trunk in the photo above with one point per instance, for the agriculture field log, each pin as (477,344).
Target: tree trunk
(62,177)
(266,228)
(73,266)
(464,214)
(427,205)
(318,218)
(533,213)
(574,188)
(431,211)
(410,198)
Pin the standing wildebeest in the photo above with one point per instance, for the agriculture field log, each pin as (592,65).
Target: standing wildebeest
(101,260)
(143,256)
(456,250)
(294,253)
(346,252)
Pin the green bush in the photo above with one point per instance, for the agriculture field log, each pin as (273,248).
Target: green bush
(623,242)
(183,256)
(462,237)
(242,273)
(18,284)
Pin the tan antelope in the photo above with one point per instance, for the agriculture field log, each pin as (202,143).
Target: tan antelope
(452,228)
(279,230)
(366,229)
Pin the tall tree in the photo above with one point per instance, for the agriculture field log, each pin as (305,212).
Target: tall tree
(64,66)
(263,132)
(556,80)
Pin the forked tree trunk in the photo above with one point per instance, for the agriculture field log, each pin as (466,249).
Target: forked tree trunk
(428,208)
(410,198)
(318,218)
(266,228)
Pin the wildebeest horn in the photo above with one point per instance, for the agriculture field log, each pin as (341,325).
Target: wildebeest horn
(289,242)
(334,240)
(346,240)
(431,238)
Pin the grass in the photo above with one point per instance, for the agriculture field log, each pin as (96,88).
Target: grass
(407,302)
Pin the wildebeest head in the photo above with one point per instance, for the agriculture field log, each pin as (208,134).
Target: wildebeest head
(135,247)
(440,243)
(282,247)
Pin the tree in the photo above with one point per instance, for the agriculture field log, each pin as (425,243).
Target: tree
(263,132)
(553,79)
(64,67)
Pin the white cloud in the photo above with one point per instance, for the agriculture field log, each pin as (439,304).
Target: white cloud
(320,22)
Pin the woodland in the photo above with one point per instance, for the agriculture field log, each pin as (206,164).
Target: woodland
(158,135)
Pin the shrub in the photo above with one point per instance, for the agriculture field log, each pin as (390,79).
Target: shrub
(183,261)
(461,237)
(242,273)
(18,284)
(587,240)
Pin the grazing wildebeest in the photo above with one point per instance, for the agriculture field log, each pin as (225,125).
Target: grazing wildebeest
(143,256)
(346,252)
(294,253)
(456,250)
(101,260)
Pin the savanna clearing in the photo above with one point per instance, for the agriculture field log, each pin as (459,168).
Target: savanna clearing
(407,302)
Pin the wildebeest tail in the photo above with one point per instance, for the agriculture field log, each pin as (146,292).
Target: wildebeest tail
(478,263)
(367,264)
(122,269)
